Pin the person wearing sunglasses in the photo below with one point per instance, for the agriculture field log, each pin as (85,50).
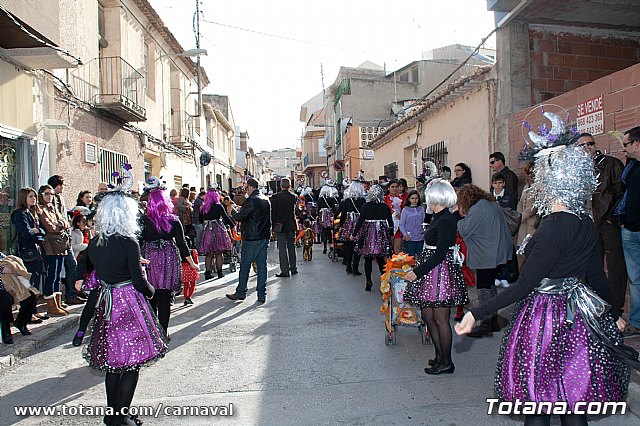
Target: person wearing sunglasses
(497,163)
(627,213)
(609,169)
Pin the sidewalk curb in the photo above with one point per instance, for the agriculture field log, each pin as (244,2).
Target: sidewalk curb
(27,345)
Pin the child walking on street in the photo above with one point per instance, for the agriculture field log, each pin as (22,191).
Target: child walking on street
(189,278)
(307,235)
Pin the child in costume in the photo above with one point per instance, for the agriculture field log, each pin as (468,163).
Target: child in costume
(189,278)
(307,235)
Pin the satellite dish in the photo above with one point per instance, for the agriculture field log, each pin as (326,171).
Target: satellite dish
(205,159)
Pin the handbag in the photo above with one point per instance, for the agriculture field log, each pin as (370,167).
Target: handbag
(29,255)
(61,242)
(514,219)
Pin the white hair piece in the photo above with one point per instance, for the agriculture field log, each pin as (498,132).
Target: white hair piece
(376,194)
(325,191)
(440,192)
(355,190)
(117,214)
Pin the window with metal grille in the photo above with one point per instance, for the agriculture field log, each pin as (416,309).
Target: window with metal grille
(436,153)
(111,161)
(391,170)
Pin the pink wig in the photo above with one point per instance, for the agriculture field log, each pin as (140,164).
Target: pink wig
(160,210)
(210,199)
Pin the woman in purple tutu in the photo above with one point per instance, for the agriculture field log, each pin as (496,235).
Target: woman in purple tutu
(126,334)
(349,214)
(372,232)
(164,245)
(563,343)
(436,283)
(327,205)
(215,238)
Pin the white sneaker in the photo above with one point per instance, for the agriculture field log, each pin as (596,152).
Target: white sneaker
(498,283)
(504,284)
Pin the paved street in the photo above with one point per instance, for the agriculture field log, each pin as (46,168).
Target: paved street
(313,354)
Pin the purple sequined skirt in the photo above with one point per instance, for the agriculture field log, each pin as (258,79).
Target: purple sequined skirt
(215,238)
(373,239)
(543,359)
(443,286)
(163,271)
(92,282)
(129,338)
(315,227)
(326,218)
(348,227)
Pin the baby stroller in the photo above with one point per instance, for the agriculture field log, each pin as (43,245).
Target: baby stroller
(232,257)
(401,313)
(336,247)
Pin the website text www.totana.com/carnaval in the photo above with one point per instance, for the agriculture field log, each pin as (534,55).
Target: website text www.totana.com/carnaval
(581,407)
(143,410)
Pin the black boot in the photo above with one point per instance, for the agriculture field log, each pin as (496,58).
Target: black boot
(349,271)
(356,272)
(6,333)
(220,274)
(368,286)
(207,275)
(22,327)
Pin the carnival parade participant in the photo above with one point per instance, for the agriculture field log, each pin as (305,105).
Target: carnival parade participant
(562,343)
(215,238)
(436,283)
(349,214)
(307,241)
(164,245)
(126,334)
(395,201)
(373,231)
(327,205)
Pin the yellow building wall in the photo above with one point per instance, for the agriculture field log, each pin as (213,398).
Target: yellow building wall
(16,98)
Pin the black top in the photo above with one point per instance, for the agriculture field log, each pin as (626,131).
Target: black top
(441,233)
(564,246)
(373,210)
(216,212)
(632,206)
(506,200)
(149,233)
(510,182)
(255,218)
(460,181)
(116,261)
(327,203)
(349,205)
(283,205)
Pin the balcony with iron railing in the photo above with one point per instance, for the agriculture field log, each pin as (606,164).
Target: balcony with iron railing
(119,89)
(314,159)
(182,130)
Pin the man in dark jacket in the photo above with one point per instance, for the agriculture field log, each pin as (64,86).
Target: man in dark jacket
(255,226)
(497,164)
(283,206)
(602,202)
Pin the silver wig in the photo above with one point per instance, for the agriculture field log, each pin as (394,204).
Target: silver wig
(564,175)
(440,192)
(326,191)
(117,214)
(355,190)
(376,194)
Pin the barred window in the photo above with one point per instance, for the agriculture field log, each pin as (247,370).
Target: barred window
(436,153)
(111,161)
(391,170)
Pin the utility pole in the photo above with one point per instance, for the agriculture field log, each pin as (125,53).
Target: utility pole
(199,112)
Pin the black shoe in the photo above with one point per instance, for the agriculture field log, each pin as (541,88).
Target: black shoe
(6,334)
(263,300)
(368,286)
(433,362)
(324,251)
(22,328)
(481,331)
(349,271)
(294,271)
(207,275)
(356,273)
(438,369)
(282,275)
(35,320)
(77,339)
(234,296)
(42,316)
(220,274)
(188,301)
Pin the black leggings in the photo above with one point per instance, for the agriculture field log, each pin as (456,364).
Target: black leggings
(325,233)
(120,389)
(24,314)
(368,266)
(161,305)
(351,257)
(565,420)
(437,320)
(88,310)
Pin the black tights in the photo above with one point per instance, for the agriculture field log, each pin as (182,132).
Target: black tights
(120,389)
(209,261)
(565,420)
(437,320)
(88,310)
(326,236)
(161,305)
(368,266)
(351,257)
